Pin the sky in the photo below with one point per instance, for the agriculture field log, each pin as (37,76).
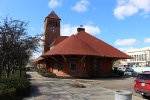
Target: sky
(124,24)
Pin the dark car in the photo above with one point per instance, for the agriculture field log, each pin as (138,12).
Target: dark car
(142,84)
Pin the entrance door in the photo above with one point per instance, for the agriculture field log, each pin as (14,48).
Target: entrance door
(96,70)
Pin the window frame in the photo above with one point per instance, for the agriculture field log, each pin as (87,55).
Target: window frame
(74,69)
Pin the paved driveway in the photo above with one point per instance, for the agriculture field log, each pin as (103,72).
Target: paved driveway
(59,89)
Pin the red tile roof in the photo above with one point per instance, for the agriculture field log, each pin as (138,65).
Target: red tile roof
(85,44)
(58,40)
(102,47)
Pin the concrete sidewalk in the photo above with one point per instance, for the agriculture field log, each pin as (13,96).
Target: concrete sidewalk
(59,89)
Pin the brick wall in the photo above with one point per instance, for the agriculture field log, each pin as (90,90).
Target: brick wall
(103,70)
(106,67)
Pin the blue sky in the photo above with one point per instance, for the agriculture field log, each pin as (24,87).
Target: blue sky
(124,24)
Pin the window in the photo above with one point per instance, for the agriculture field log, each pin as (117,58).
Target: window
(73,61)
(60,67)
(55,66)
(73,66)
(145,57)
(60,64)
(144,76)
(84,66)
(142,57)
(95,64)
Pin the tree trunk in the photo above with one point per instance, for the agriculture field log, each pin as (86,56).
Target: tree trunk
(7,74)
(20,70)
(0,72)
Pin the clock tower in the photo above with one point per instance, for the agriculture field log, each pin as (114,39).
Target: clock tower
(51,30)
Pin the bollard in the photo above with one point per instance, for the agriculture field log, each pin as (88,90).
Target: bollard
(123,95)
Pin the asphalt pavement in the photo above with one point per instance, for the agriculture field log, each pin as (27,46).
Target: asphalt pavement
(43,88)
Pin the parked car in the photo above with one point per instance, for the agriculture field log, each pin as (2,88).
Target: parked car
(142,84)
(125,69)
(121,68)
(129,69)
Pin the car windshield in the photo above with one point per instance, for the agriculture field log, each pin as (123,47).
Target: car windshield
(144,76)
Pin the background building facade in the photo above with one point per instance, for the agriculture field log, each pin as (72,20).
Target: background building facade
(139,56)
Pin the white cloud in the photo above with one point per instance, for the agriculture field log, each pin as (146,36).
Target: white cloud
(36,54)
(68,29)
(125,42)
(124,11)
(81,6)
(142,4)
(92,29)
(147,40)
(54,4)
(124,49)
(127,8)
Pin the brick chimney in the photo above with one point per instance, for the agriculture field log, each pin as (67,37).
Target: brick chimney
(80,29)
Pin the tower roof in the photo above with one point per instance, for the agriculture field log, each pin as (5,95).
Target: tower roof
(52,15)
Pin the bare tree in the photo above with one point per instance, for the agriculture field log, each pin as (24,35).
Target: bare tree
(16,46)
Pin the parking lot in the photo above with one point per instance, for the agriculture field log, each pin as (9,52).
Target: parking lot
(95,89)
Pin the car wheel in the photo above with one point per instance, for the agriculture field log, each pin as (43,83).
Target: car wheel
(146,97)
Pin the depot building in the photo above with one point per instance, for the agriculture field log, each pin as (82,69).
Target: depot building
(78,55)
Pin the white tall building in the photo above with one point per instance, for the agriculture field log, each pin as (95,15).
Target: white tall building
(139,56)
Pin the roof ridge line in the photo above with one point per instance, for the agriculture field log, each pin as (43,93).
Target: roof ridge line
(86,43)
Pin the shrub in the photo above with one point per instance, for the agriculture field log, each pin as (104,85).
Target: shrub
(14,88)
(118,72)
(22,87)
(10,92)
(46,73)
(43,70)
(17,74)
